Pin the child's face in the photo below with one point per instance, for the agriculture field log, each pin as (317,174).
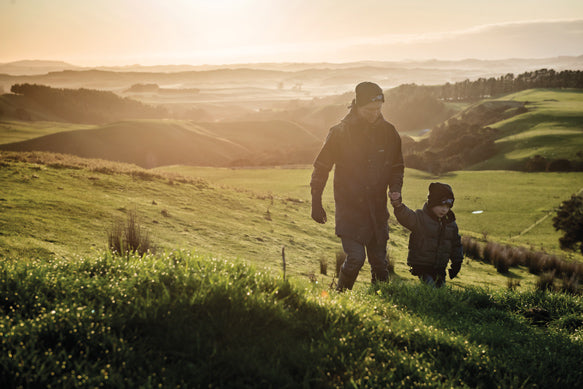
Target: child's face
(440,210)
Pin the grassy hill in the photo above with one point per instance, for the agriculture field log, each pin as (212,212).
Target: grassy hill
(516,207)
(212,307)
(505,134)
(151,143)
(55,205)
(552,128)
(183,320)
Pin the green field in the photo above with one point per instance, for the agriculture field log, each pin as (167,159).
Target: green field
(511,202)
(64,208)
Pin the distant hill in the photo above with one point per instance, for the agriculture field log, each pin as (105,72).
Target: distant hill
(153,143)
(31,67)
(34,102)
(316,78)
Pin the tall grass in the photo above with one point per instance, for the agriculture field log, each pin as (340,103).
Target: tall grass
(549,267)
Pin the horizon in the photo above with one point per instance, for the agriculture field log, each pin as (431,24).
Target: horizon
(226,32)
(403,61)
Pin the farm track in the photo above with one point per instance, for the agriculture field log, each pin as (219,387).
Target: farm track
(542,219)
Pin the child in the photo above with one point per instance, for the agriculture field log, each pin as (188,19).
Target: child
(434,238)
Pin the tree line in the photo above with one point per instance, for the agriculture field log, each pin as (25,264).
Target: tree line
(489,87)
(87,105)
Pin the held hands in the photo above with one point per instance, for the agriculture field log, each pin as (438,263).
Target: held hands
(395,198)
(318,212)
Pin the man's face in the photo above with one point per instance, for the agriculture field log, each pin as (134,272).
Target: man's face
(371,111)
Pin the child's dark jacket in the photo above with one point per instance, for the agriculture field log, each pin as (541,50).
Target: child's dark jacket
(432,242)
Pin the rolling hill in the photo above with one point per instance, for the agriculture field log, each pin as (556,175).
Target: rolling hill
(152,143)
(499,133)
(506,133)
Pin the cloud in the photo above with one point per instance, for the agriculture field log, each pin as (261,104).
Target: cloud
(528,39)
(492,41)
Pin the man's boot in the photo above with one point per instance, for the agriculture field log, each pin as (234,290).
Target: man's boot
(379,276)
(344,282)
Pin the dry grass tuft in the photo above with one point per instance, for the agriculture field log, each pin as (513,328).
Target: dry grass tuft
(129,237)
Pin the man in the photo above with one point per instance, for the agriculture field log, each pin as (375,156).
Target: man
(366,150)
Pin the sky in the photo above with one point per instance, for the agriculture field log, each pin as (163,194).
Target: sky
(161,32)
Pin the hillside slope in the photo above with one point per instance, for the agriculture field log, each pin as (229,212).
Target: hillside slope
(506,133)
(552,127)
(152,143)
(179,319)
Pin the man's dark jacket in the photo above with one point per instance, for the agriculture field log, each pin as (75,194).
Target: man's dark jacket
(368,159)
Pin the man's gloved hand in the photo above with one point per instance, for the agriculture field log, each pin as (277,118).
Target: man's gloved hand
(454,269)
(318,212)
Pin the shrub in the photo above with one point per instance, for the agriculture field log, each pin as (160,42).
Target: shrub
(559,165)
(536,164)
(472,249)
(128,237)
(501,263)
(516,256)
(534,262)
(569,219)
(488,254)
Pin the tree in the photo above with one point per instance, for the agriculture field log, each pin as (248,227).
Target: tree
(569,219)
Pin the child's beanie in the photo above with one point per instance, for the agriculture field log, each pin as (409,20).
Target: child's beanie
(440,194)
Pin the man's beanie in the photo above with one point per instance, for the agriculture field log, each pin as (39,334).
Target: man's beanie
(440,194)
(367,92)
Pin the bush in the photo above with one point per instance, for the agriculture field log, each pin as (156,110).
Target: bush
(488,253)
(534,262)
(559,165)
(536,164)
(569,219)
(472,249)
